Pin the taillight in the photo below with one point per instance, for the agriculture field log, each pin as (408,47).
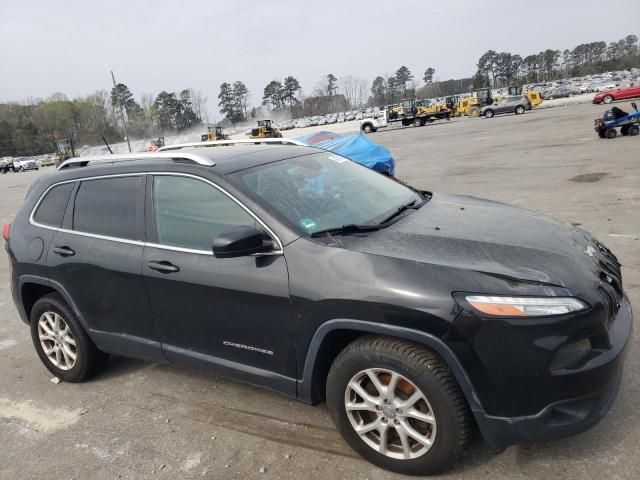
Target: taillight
(5,231)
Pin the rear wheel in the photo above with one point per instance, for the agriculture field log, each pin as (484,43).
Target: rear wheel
(474,112)
(417,122)
(611,133)
(489,113)
(398,405)
(520,110)
(367,128)
(607,99)
(624,130)
(61,342)
(634,130)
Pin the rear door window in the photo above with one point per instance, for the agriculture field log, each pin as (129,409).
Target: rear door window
(190,213)
(108,207)
(52,207)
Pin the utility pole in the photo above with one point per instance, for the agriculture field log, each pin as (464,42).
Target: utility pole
(124,125)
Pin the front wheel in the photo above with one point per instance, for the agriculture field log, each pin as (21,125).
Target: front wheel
(489,113)
(607,99)
(520,110)
(367,128)
(611,133)
(417,122)
(61,342)
(634,130)
(398,405)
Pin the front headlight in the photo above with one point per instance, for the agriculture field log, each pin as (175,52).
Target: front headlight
(525,306)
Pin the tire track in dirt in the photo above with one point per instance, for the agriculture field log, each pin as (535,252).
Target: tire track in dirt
(304,435)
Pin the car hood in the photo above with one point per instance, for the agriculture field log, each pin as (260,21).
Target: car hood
(489,237)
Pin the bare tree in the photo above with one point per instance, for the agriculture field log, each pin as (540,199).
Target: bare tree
(199,104)
(362,90)
(348,84)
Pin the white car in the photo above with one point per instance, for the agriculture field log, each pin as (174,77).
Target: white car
(22,164)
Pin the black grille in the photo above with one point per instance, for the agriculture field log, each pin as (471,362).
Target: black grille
(611,276)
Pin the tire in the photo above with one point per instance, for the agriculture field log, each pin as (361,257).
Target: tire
(489,113)
(520,110)
(624,130)
(474,112)
(417,122)
(607,99)
(634,130)
(89,360)
(21,169)
(610,133)
(419,371)
(367,128)
(601,134)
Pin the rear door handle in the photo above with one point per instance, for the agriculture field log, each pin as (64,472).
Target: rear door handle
(63,251)
(163,267)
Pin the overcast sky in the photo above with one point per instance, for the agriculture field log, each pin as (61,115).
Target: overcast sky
(70,46)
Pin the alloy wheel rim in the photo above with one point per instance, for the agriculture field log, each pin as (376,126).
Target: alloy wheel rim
(57,341)
(390,414)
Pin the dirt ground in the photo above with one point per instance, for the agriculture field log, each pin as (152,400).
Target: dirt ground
(141,420)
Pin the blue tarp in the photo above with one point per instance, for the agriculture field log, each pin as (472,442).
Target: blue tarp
(355,147)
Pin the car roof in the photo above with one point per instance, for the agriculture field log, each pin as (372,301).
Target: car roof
(218,160)
(233,158)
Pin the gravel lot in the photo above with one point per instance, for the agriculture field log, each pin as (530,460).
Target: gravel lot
(141,420)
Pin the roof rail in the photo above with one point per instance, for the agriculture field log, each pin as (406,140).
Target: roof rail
(241,141)
(84,161)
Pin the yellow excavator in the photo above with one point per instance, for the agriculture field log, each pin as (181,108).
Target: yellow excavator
(265,130)
(214,133)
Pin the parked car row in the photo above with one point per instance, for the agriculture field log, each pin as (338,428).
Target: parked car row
(329,119)
(22,164)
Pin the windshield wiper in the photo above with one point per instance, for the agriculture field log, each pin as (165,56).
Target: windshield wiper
(347,229)
(354,228)
(412,205)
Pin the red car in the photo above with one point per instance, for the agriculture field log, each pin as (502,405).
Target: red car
(619,94)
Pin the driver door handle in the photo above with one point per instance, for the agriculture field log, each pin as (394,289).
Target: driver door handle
(63,251)
(163,267)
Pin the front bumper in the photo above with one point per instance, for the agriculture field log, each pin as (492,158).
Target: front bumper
(560,419)
(600,377)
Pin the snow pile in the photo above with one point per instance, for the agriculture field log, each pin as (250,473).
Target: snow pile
(563,102)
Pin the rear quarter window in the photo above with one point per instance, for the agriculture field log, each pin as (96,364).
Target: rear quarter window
(53,205)
(108,207)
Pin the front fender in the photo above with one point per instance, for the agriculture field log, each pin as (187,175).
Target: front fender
(430,341)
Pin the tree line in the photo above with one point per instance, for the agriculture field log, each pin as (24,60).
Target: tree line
(31,127)
(501,69)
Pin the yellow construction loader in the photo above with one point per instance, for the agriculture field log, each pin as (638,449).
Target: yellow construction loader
(64,151)
(265,130)
(214,133)
(471,105)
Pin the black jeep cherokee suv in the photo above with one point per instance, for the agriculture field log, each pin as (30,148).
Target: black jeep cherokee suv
(413,314)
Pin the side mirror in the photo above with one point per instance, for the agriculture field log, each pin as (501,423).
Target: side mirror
(240,242)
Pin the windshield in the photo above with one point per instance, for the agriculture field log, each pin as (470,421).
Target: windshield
(324,191)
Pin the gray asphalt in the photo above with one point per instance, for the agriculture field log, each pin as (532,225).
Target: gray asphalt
(140,420)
